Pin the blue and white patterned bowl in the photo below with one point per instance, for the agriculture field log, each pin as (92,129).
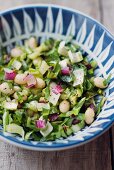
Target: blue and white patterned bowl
(44,21)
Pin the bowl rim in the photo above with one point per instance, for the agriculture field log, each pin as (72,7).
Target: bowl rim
(36,148)
(59,7)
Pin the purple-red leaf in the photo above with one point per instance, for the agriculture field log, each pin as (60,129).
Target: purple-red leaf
(40,124)
(10,74)
(53,117)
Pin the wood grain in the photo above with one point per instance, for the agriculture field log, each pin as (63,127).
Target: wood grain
(107,8)
(112,145)
(95,155)
(90,156)
(90,7)
(112,131)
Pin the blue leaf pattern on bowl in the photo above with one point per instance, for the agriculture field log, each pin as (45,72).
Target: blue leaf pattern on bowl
(51,23)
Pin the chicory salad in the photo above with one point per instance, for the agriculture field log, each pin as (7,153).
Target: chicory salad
(48,91)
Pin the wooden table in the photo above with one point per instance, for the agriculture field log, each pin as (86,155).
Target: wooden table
(96,155)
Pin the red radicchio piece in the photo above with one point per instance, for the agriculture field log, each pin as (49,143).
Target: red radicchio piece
(75,121)
(40,124)
(53,117)
(92,106)
(29,86)
(51,68)
(31,80)
(88,66)
(57,89)
(65,71)
(10,74)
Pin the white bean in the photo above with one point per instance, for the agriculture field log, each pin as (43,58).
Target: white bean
(15,96)
(4,88)
(20,79)
(64,106)
(17,88)
(24,97)
(32,43)
(99,82)
(89,115)
(16,52)
(42,100)
(40,83)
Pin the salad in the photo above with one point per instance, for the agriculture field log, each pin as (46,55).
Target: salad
(48,91)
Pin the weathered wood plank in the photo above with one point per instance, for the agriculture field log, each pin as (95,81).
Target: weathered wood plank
(89,7)
(107,8)
(113,145)
(107,19)
(90,156)
(95,155)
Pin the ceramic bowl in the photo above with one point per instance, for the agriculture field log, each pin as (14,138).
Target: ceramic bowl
(44,21)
